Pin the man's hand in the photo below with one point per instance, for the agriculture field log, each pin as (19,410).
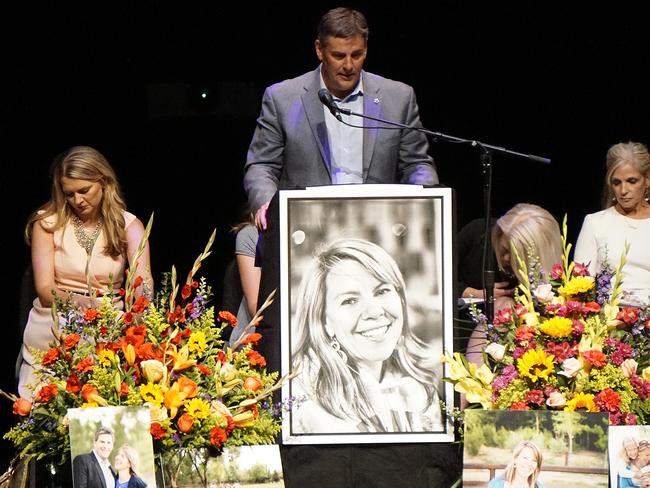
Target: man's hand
(501,289)
(260,216)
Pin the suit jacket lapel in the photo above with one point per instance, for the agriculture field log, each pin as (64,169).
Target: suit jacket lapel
(316,118)
(371,107)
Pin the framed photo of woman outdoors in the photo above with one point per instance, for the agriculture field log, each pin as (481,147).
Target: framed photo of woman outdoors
(367,310)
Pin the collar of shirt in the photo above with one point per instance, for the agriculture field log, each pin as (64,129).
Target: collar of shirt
(358,90)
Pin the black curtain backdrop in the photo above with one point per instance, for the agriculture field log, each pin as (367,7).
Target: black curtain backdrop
(560,81)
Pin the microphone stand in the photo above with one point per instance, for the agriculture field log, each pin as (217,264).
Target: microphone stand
(486,162)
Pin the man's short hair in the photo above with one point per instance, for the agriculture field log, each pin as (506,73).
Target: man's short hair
(342,22)
(104,429)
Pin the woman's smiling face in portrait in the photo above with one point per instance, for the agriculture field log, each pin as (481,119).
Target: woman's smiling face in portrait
(364,313)
(526,462)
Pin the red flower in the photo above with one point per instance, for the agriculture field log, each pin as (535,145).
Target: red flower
(557,271)
(137,282)
(595,357)
(157,431)
(218,436)
(607,400)
(72,385)
(221,357)
(524,333)
(140,304)
(186,291)
(70,341)
(128,318)
(226,316)
(122,292)
(204,369)
(124,389)
(503,316)
(535,396)
(51,356)
(580,269)
(629,315)
(591,307)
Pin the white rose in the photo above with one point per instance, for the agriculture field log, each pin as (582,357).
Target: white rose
(544,293)
(495,350)
(629,367)
(556,400)
(570,367)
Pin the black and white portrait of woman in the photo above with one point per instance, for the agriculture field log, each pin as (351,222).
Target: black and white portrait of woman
(367,358)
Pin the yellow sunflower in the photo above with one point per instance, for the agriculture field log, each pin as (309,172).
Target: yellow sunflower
(581,401)
(535,364)
(557,327)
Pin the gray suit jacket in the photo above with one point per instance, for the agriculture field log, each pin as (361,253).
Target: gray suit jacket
(290,147)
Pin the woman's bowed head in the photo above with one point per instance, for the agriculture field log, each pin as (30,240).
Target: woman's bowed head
(361,366)
(523,469)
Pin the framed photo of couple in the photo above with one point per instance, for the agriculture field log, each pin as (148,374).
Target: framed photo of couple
(110,445)
(367,310)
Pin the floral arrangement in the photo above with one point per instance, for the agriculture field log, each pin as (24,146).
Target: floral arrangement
(565,345)
(166,353)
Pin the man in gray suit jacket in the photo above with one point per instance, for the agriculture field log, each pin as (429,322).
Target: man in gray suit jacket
(299,143)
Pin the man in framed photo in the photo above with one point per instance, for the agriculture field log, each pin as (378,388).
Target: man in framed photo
(93,469)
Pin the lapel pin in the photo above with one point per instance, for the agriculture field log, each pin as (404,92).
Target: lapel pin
(376,100)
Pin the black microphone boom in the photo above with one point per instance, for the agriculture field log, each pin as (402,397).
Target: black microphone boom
(327,99)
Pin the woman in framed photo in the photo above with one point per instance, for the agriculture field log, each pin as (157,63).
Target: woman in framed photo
(361,367)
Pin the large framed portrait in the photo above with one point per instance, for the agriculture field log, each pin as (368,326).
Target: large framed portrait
(367,310)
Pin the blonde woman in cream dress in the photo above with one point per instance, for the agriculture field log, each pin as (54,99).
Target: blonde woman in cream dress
(81,240)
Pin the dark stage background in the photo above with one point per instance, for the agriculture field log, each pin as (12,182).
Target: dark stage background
(126,77)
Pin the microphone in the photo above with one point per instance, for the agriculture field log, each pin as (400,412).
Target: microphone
(327,99)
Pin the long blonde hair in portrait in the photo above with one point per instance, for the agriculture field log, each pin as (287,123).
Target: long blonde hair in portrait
(511,469)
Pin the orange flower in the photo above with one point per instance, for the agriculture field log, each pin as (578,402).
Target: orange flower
(255,358)
(226,316)
(185,423)
(51,356)
(91,314)
(46,393)
(253,384)
(174,400)
(138,281)
(251,338)
(90,394)
(187,387)
(140,304)
(22,407)
(595,357)
(85,365)
(124,389)
(71,340)
(180,358)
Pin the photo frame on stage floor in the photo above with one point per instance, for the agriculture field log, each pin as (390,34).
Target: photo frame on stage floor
(544,447)
(367,310)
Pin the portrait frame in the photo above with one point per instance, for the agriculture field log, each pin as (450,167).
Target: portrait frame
(570,447)
(414,227)
(130,425)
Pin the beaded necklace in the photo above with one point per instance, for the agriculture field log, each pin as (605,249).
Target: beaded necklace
(86,241)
